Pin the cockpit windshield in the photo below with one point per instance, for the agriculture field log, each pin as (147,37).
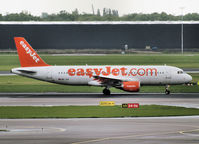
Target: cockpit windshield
(180,72)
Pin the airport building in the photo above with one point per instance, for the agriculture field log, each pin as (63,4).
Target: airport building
(102,35)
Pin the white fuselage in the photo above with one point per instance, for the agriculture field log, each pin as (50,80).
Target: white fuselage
(82,75)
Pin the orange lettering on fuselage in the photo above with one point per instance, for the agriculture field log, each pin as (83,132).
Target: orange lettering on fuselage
(133,71)
(108,71)
(151,71)
(115,71)
(123,71)
(89,72)
(80,72)
(97,71)
(141,71)
(71,72)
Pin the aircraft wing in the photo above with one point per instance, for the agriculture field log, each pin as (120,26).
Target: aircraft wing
(109,80)
(114,78)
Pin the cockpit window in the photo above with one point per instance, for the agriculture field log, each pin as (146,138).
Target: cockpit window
(180,72)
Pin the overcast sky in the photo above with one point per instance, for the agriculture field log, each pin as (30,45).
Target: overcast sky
(36,7)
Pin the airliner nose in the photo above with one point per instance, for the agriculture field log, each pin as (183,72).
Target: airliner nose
(188,78)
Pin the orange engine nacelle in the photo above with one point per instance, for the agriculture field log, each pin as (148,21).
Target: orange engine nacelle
(131,86)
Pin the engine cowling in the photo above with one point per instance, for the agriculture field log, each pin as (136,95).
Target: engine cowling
(131,86)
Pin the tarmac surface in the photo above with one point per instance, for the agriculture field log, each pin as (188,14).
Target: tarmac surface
(6,73)
(172,130)
(152,130)
(61,99)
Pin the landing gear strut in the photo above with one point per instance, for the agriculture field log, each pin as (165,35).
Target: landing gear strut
(106,91)
(167,91)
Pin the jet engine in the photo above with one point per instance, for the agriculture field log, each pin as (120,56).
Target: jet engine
(131,86)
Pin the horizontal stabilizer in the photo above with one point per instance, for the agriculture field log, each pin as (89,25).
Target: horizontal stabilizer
(27,71)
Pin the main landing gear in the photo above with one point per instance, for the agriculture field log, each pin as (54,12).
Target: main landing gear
(106,91)
(167,91)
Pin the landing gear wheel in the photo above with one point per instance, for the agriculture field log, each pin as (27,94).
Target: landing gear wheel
(167,92)
(106,91)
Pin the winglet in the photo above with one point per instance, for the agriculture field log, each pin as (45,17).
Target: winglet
(27,55)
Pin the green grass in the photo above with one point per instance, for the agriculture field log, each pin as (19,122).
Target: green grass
(4,130)
(93,111)
(8,62)
(23,84)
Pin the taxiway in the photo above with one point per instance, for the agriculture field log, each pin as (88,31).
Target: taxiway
(172,130)
(61,99)
(164,130)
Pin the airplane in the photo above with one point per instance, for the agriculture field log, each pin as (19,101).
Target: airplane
(127,78)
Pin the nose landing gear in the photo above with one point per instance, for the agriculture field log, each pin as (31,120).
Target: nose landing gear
(167,91)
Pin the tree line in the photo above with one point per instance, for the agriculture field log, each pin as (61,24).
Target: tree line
(104,15)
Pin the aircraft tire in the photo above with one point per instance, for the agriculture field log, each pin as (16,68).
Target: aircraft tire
(167,92)
(106,91)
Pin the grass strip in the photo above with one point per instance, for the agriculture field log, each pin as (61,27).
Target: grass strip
(15,112)
(4,130)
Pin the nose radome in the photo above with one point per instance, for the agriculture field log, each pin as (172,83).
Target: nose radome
(188,78)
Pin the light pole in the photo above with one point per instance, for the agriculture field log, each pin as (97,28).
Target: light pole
(182,32)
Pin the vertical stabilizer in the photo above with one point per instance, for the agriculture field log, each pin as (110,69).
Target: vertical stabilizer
(27,55)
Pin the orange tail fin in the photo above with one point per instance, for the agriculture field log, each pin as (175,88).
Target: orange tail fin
(27,55)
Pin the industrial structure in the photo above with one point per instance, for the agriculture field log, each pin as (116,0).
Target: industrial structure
(101,35)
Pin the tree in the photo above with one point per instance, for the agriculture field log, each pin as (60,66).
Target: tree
(115,13)
(1,17)
(23,16)
(104,12)
(192,16)
(108,15)
(109,12)
(75,14)
(44,15)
